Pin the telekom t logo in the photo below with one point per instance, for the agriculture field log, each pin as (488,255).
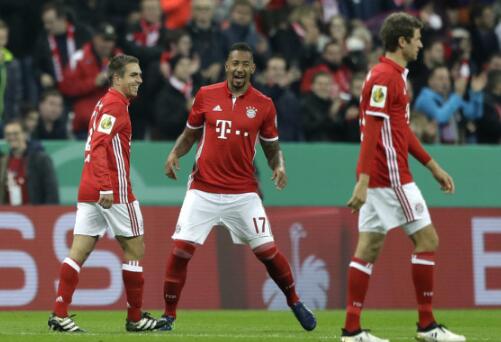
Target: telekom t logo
(223,127)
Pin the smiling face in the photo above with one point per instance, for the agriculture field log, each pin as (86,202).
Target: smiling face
(239,68)
(129,83)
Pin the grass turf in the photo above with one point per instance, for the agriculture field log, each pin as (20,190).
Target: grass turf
(247,325)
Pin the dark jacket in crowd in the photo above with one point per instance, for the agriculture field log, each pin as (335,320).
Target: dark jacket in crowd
(171,113)
(288,115)
(43,57)
(40,177)
(11,86)
(317,124)
(59,131)
(209,44)
(489,124)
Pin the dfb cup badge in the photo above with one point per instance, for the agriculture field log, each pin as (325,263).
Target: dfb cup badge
(251,112)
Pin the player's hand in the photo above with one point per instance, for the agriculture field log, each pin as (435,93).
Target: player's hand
(359,196)
(442,177)
(171,166)
(105,201)
(279,177)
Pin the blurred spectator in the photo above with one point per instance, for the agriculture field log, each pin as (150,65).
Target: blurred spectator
(11,87)
(241,28)
(494,62)
(146,37)
(208,41)
(118,13)
(338,30)
(51,124)
(57,44)
(178,13)
(484,38)
(301,40)
(462,62)
(331,62)
(88,81)
(319,111)
(145,40)
(29,118)
(174,101)
(349,111)
(433,55)
(438,104)
(276,85)
(489,125)
(28,176)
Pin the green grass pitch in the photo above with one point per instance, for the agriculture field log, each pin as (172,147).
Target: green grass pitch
(247,325)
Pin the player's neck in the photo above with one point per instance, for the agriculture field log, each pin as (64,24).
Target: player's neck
(397,57)
(238,92)
(119,90)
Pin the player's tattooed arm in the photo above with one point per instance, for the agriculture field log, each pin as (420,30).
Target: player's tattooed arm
(185,141)
(276,162)
(182,146)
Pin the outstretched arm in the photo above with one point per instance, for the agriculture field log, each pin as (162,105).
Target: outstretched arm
(182,146)
(276,162)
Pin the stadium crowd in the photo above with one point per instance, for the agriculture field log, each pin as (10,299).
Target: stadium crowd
(312,58)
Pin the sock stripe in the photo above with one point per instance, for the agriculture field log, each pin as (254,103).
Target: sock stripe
(132,268)
(416,260)
(72,263)
(364,268)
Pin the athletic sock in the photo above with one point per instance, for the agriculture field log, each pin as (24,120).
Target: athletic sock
(423,266)
(358,283)
(68,280)
(280,271)
(132,274)
(175,275)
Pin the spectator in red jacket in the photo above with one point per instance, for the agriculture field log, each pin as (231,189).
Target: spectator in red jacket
(88,82)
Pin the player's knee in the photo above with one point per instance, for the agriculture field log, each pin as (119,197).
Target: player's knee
(265,252)
(183,249)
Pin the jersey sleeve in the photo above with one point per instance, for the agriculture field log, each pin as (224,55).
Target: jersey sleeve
(107,127)
(269,130)
(380,92)
(196,117)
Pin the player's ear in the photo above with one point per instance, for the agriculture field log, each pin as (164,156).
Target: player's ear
(253,68)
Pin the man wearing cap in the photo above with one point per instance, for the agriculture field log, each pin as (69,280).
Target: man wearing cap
(86,82)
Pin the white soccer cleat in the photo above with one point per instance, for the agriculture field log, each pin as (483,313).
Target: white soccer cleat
(439,333)
(362,336)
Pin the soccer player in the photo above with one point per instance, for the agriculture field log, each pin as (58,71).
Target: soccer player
(385,193)
(105,200)
(229,118)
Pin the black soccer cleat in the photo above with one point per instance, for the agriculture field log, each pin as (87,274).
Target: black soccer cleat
(304,316)
(146,323)
(63,324)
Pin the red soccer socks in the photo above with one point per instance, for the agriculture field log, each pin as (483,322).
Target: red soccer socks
(68,280)
(358,283)
(280,271)
(132,274)
(423,265)
(175,274)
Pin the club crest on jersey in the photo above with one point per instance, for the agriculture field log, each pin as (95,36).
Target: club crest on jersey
(378,96)
(106,123)
(251,112)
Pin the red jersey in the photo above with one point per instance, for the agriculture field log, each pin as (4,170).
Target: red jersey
(107,151)
(384,95)
(231,127)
